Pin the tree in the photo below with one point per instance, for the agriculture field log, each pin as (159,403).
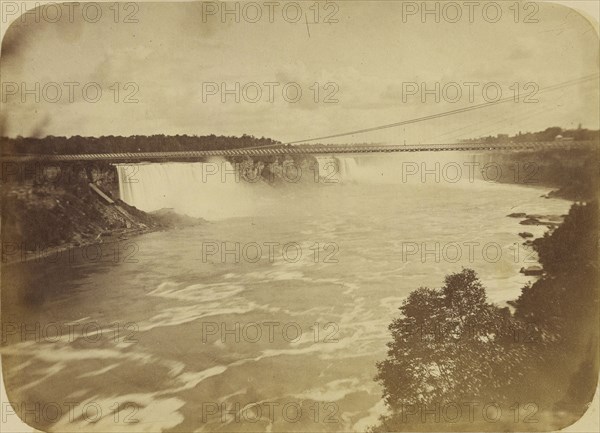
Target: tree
(449,345)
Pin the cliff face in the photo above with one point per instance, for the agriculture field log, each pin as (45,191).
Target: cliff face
(276,170)
(47,206)
(571,173)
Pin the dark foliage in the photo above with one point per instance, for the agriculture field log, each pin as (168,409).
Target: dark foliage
(137,143)
(449,345)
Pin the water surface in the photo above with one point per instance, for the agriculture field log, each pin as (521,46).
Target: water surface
(184,338)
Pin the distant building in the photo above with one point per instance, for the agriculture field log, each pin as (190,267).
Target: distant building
(561,138)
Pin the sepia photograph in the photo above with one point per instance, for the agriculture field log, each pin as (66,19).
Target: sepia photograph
(299,216)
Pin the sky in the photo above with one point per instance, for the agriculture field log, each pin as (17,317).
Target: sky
(358,64)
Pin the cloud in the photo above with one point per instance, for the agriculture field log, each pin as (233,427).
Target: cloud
(360,61)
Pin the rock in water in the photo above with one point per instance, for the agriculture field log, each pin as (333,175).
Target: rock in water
(532,270)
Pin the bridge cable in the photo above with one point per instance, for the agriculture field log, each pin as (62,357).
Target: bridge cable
(434,116)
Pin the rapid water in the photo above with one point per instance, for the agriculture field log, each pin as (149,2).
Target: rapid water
(281,301)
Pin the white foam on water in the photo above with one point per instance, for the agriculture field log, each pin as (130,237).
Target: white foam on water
(137,412)
(372,418)
(201,301)
(180,315)
(197,292)
(332,391)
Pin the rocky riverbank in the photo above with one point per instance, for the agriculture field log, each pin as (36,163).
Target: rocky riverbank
(551,222)
(43,214)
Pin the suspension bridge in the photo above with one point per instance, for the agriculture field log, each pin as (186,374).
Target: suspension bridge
(301,146)
(298,150)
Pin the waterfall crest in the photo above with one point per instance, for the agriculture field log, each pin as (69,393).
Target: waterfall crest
(211,190)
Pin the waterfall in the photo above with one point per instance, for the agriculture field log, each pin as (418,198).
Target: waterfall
(415,168)
(211,190)
(336,169)
(215,190)
(347,167)
(328,169)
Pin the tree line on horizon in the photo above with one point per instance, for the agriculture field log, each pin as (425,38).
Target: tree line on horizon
(161,142)
(549,134)
(135,143)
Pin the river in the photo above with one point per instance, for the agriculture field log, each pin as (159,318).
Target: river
(280,302)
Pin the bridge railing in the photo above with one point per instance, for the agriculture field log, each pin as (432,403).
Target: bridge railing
(288,150)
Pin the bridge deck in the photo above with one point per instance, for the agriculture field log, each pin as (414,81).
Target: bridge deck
(293,150)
